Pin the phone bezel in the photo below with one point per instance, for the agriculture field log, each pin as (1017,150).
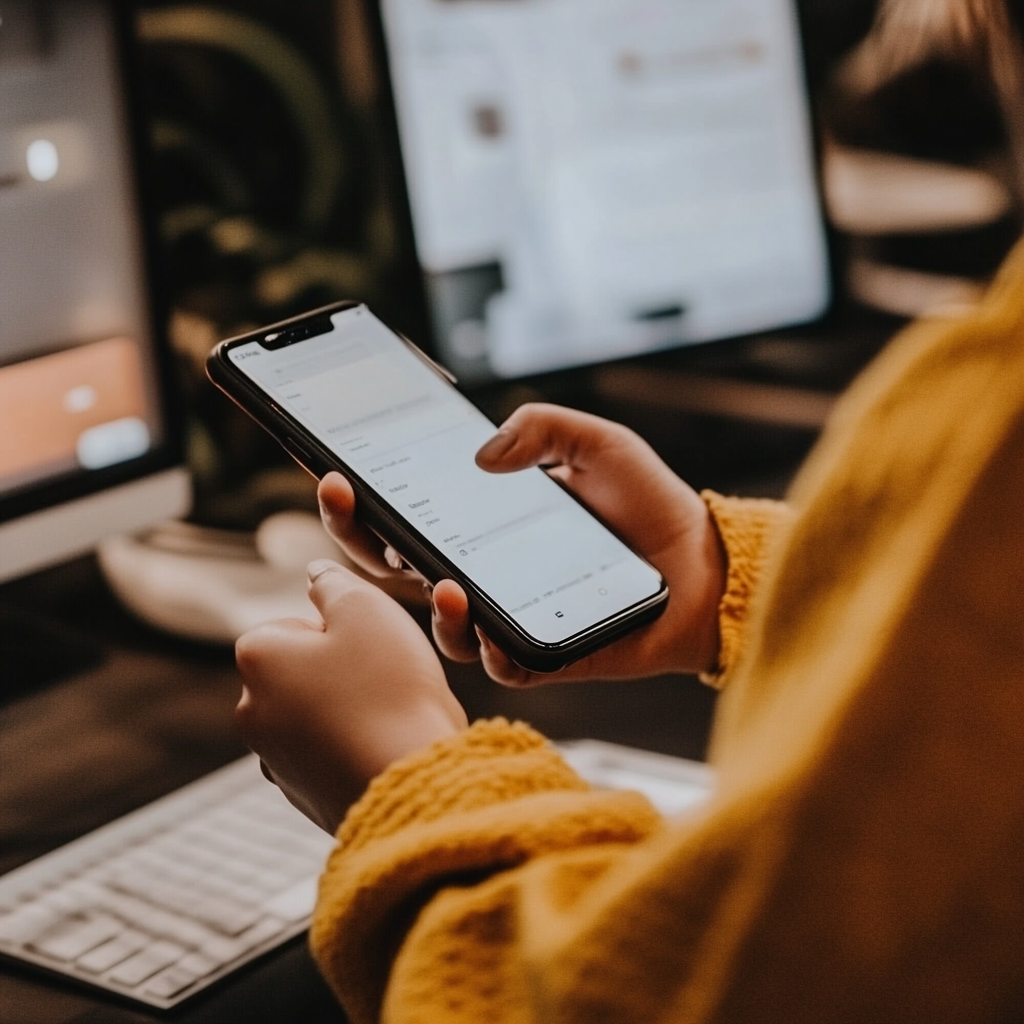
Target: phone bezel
(525,649)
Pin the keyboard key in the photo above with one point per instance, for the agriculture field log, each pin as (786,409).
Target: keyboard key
(77,936)
(170,982)
(226,950)
(227,917)
(111,953)
(153,920)
(146,963)
(88,893)
(224,888)
(219,911)
(198,964)
(163,894)
(64,899)
(295,903)
(28,922)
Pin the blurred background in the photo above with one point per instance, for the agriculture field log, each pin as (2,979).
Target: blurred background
(277,193)
(277,186)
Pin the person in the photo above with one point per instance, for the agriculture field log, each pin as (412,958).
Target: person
(862,855)
(861,858)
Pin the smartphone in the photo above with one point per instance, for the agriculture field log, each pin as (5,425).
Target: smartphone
(547,581)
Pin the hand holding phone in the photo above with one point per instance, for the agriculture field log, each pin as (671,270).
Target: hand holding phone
(545,579)
(329,708)
(618,475)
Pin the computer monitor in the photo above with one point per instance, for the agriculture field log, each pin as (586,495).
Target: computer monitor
(595,179)
(89,438)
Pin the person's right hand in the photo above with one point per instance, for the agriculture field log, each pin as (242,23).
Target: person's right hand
(621,478)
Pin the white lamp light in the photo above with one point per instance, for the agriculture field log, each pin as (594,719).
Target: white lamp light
(42,159)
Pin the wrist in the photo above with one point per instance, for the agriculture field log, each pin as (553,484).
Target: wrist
(397,733)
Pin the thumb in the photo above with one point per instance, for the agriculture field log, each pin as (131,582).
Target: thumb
(539,434)
(607,465)
(329,584)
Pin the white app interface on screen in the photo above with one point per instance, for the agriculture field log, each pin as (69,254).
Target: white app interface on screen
(412,437)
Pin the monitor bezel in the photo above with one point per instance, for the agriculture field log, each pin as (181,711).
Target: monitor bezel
(415,311)
(168,452)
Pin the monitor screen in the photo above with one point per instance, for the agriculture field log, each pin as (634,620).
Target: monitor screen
(593,179)
(83,406)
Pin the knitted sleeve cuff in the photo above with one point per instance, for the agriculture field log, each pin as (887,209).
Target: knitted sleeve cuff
(457,775)
(487,800)
(749,528)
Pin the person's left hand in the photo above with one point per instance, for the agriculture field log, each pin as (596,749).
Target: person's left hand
(327,706)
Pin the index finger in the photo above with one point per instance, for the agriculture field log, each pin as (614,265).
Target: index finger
(338,512)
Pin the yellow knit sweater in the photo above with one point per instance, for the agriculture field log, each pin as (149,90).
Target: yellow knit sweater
(862,858)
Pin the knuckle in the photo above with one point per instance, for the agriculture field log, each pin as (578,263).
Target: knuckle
(245,721)
(337,589)
(615,435)
(250,650)
(243,714)
(328,584)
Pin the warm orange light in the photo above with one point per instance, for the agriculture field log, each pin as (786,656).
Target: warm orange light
(47,403)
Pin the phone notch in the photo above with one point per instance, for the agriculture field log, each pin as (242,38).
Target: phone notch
(282,337)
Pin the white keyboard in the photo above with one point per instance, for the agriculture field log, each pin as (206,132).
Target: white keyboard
(165,901)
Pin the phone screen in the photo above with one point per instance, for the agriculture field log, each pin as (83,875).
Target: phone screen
(412,437)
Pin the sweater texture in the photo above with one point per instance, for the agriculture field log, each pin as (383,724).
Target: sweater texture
(862,857)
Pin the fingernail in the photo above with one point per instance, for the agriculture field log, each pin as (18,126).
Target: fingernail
(498,445)
(318,567)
